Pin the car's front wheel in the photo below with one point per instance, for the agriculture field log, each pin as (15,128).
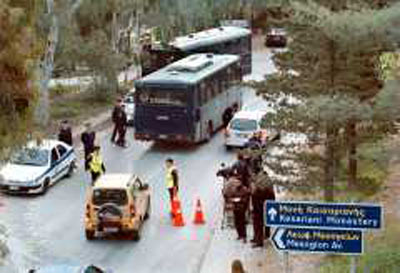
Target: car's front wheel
(89,234)
(71,168)
(45,186)
(134,234)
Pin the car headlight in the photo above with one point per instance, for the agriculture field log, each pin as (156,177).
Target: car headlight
(33,182)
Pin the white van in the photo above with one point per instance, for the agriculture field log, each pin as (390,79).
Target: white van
(242,127)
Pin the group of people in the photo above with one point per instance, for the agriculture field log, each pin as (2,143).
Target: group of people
(93,160)
(244,188)
(92,156)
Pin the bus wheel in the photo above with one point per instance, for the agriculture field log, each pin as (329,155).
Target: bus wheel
(210,130)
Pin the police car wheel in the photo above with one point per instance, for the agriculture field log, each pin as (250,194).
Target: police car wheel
(70,169)
(45,186)
(134,235)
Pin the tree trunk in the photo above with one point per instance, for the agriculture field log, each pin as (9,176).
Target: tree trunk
(330,164)
(352,153)
(42,110)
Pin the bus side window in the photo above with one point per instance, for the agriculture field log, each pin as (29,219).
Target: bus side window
(210,91)
(203,93)
(224,80)
(219,82)
(214,86)
(237,73)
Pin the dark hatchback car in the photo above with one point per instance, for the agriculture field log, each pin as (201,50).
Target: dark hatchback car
(276,37)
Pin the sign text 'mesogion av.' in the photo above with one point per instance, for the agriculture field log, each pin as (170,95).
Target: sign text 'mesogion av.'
(318,240)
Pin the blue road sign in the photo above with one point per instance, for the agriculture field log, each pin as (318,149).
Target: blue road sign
(318,240)
(323,215)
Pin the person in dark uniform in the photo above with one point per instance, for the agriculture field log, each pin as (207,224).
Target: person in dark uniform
(65,133)
(240,206)
(121,127)
(261,192)
(88,138)
(241,170)
(227,116)
(269,195)
(116,114)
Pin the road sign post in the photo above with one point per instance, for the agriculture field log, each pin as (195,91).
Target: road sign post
(286,261)
(353,265)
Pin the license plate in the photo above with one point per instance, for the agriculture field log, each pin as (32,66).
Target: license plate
(14,188)
(162,136)
(111,229)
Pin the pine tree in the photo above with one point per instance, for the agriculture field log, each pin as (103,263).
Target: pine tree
(331,65)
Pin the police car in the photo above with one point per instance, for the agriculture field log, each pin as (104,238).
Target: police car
(37,166)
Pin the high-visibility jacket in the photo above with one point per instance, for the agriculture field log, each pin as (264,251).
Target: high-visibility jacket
(96,163)
(169,178)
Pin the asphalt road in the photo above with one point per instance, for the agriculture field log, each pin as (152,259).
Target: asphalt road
(49,229)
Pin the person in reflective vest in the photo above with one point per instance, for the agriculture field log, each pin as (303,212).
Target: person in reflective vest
(96,165)
(171,178)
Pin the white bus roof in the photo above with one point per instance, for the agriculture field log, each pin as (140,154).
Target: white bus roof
(209,37)
(189,70)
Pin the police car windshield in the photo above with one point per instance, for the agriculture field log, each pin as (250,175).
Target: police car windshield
(244,124)
(31,156)
(114,196)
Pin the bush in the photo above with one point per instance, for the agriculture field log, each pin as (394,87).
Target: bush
(382,254)
(60,90)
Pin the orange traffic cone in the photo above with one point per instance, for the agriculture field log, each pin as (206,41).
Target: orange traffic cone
(198,214)
(177,217)
(175,205)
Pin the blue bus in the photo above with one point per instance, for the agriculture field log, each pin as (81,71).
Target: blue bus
(185,100)
(222,40)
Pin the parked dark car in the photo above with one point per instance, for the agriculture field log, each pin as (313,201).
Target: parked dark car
(276,37)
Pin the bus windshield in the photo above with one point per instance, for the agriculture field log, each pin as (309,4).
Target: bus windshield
(163,97)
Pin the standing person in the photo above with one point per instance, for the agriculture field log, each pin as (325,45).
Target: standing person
(227,116)
(122,121)
(261,192)
(96,164)
(116,114)
(240,206)
(235,107)
(269,195)
(88,138)
(241,170)
(65,133)
(172,179)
